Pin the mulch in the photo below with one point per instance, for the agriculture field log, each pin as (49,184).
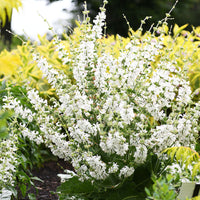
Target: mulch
(48,173)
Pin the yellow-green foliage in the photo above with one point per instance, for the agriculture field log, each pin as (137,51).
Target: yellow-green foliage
(6,7)
(186,51)
(185,156)
(196,198)
(9,62)
(18,64)
(183,47)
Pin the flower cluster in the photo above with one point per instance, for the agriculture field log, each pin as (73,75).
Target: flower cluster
(8,161)
(116,111)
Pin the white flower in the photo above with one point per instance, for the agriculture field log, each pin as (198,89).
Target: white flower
(163,137)
(99,22)
(97,167)
(141,154)
(8,160)
(113,169)
(126,172)
(115,109)
(114,143)
(32,135)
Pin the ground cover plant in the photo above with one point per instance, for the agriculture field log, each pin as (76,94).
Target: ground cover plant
(112,114)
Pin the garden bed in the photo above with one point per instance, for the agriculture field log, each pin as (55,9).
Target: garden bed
(123,112)
(48,174)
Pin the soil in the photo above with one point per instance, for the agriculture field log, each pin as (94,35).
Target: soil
(48,174)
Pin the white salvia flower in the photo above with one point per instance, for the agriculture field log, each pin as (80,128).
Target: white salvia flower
(97,167)
(8,160)
(68,174)
(82,101)
(62,53)
(53,76)
(79,135)
(126,113)
(184,127)
(126,172)
(32,135)
(101,72)
(11,103)
(174,169)
(113,169)
(114,143)
(5,194)
(37,102)
(84,60)
(116,104)
(182,171)
(184,93)
(99,22)
(141,154)
(163,137)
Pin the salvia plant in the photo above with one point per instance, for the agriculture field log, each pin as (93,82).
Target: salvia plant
(114,117)
(18,154)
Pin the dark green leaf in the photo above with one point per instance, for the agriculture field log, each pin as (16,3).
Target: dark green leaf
(75,186)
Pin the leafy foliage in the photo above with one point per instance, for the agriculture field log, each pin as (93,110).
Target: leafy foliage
(3,124)
(6,7)
(85,190)
(3,115)
(17,66)
(185,50)
(185,156)
(9,63)
(163,188)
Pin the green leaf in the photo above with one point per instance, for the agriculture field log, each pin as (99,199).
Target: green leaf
(3,133)
(4,115)
(36,179)
(195,169)
(75,186)
(31,196)
(178,29)
(85,190)
(3,124)
(23,189)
